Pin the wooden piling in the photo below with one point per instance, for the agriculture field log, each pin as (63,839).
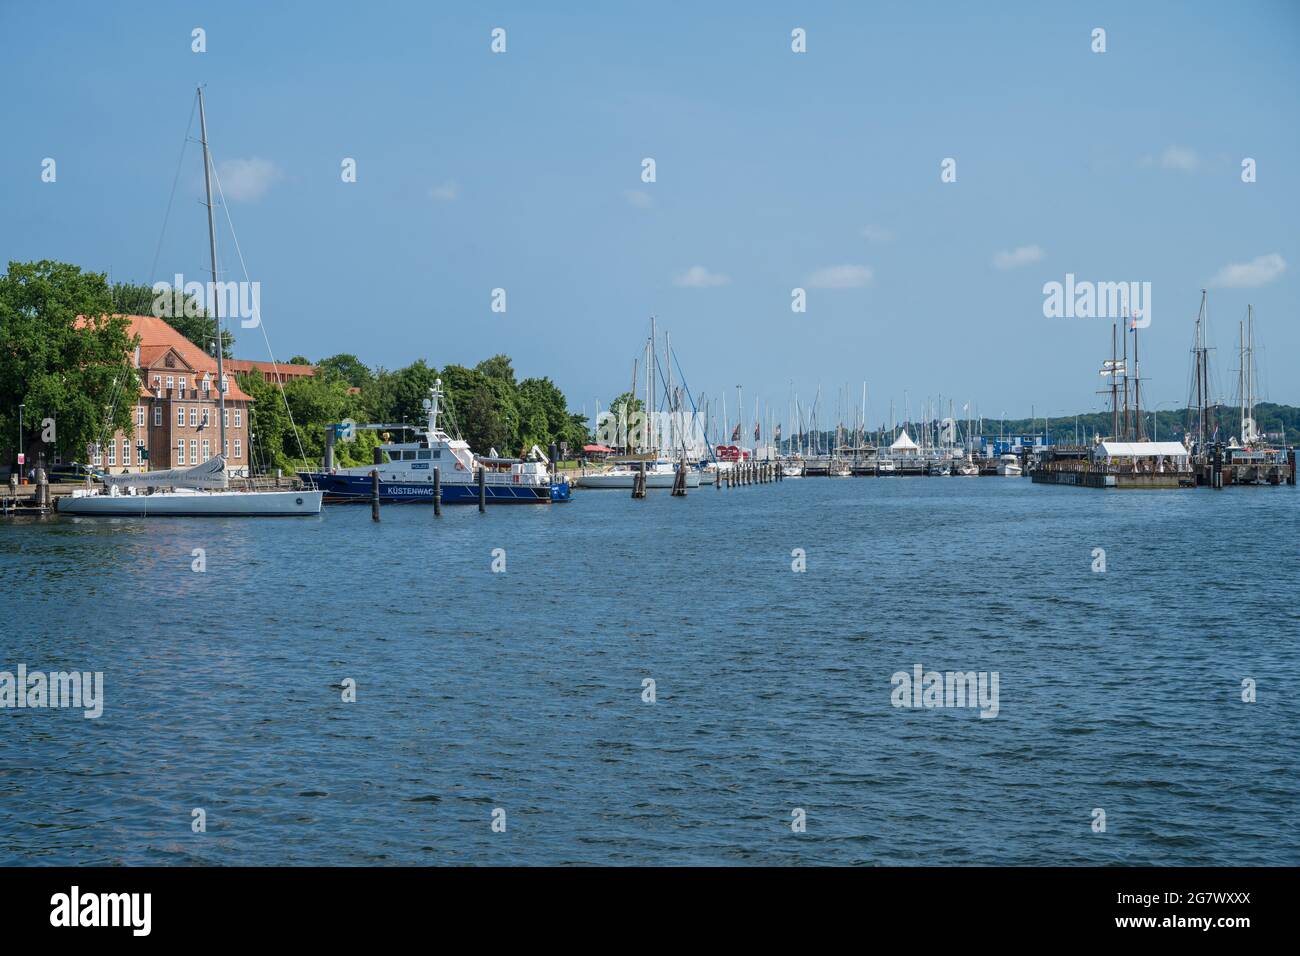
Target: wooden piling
(679,480)
(437,492)
(482,489)
(374,494)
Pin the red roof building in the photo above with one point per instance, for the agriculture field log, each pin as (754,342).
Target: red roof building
(174,421)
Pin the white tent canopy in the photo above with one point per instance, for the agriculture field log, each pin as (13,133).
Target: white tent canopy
(1140,449)
(903,443)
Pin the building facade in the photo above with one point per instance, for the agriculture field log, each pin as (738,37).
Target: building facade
(174,416)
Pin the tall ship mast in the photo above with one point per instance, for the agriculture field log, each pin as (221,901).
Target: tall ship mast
(1200,424)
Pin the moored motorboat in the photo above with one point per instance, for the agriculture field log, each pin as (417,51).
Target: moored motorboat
(406,472)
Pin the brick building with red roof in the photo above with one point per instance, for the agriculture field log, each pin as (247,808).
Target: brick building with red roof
(174,421)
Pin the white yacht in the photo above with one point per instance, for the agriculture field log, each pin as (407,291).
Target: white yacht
(1009,466)
(658,474)
(203,489)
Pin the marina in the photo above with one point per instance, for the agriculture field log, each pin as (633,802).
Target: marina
(617,368)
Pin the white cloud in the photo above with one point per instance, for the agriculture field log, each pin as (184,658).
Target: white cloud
(444,193)
(698,277)
(246,179)
(1247,275)
(877,234)
(639,199)
(1017,257)
(840,277)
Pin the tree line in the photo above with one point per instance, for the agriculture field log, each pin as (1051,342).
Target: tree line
(80,375)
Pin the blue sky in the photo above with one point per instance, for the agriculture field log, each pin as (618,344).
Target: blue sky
(775,170)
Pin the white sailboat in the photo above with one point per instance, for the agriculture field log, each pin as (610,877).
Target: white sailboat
(658,474)
(204,489)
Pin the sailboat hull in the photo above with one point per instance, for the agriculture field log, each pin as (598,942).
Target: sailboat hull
(195,504)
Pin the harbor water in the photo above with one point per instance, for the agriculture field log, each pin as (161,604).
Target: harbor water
(523,689)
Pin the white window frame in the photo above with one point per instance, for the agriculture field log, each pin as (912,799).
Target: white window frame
(180,416)
(157,416)
(207,448)
(112,453)
(171,383)
(126,453)
(180,451)
(239,419)
(194,416)
(239,449)
(194,451)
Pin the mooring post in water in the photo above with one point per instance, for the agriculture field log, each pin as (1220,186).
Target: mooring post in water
(374,494)
(1290,467)
(437,492)
(679,480)
(1216,468)
(482,489)
(638,481)
(42,490)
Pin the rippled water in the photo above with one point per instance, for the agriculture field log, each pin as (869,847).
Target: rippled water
(523,690)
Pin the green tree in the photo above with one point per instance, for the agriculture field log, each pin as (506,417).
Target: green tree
(349,367)
(77,373)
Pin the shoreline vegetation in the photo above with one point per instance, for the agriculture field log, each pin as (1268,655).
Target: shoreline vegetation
(73,375)
(77,376)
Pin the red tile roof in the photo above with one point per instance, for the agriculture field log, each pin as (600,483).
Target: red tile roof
(157,338)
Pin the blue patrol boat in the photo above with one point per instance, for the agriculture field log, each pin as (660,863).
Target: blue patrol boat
(406,471)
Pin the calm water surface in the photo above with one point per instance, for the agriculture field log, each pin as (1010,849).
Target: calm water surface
(523,690)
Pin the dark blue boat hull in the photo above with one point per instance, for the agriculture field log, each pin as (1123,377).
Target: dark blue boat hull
(343,488)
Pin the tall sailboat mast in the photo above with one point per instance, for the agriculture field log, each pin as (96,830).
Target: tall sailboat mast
(214,299)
